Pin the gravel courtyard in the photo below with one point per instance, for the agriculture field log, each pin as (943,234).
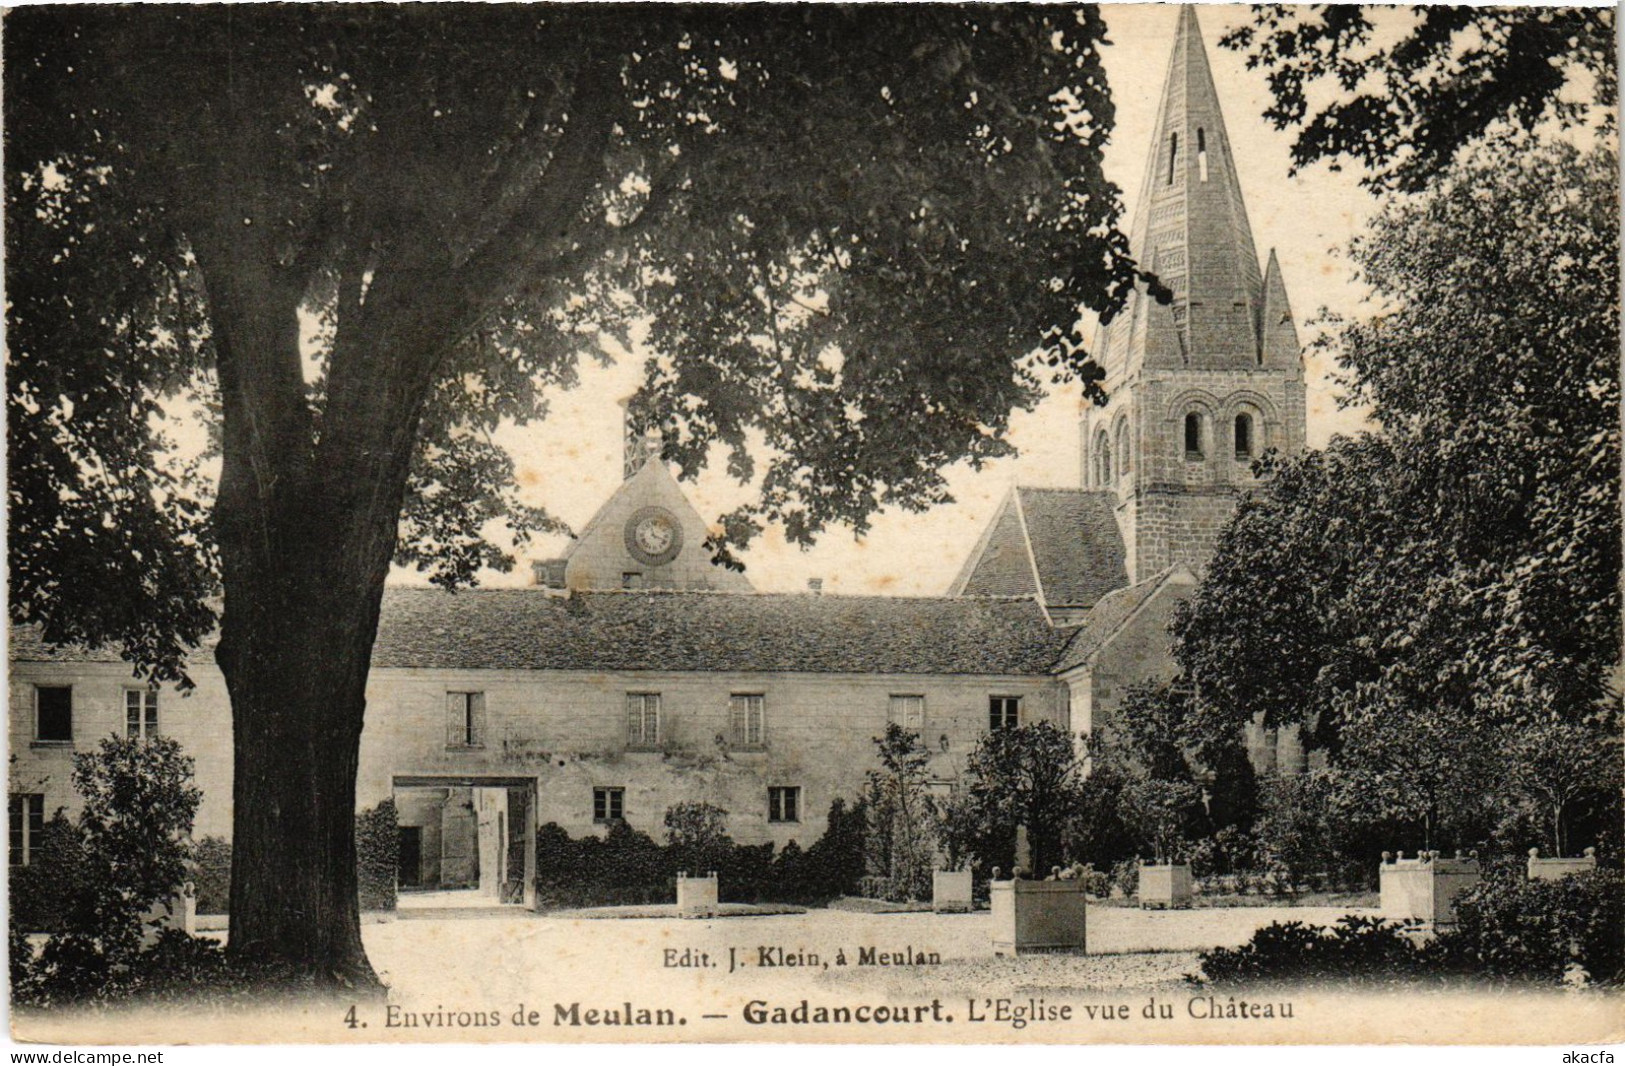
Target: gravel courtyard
(534,957)
(526,977)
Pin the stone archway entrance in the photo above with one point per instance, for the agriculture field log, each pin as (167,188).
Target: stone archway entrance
(469,839)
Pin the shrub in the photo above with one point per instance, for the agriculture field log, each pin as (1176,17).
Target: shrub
(903,820)
(1126,877)
(835,861)
(1356,949)
(42,891)
(139,802)
(1511,927)
(211,874)
(1230,851)
(696,837)
(377,846)
(626,867)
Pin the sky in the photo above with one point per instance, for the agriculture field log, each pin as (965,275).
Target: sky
(571,462)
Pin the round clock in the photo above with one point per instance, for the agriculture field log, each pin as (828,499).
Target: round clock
(653,536)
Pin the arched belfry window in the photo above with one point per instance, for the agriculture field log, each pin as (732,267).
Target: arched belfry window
(1201,153)
(1193,436)
(1244,436)
(1122,449)
(1103,461)
(1173,156)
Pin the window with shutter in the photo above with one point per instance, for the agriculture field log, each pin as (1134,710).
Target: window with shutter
(908,712)
(27,812)
(746,720)
(140,712)
(784,804)
(642,719)
(465,719)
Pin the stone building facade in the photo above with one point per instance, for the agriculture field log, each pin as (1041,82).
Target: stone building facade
(635,674)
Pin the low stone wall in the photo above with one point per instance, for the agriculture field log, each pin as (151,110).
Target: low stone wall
(1556,869)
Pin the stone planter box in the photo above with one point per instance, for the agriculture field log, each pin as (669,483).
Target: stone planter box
(1165,885)
(1555,869)
(1425,888)
(1039,916)
(697,896)
(177,912)
(951,891)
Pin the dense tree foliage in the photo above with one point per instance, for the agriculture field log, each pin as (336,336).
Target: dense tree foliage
(1025,778)
(1402,91)
(902,815)
(359,237)
(1407,595)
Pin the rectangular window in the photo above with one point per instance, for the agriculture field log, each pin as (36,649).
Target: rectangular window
(1003,712)
(140,712)
(745,720)
(642,719)
(465,719)
(53,719)
(784,804)
(632,579)
(908,712)
(608,805)
(27,826)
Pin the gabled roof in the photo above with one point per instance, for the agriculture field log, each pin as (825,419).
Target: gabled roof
(524,629)
(1076,544)
(1114,612)
(1062,545)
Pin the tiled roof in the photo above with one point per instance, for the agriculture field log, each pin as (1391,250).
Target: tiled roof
(1110,614)
(999,565)
(523,629)
(1076,544)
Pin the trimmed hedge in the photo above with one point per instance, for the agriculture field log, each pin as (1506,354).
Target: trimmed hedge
(1507,928)
(1356,949)
(626,867)
(211,875)
(377,847)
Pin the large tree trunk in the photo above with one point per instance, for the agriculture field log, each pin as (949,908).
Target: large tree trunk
(307,522)
(297,679)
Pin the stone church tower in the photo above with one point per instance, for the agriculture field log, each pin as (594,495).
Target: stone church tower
(1201,386)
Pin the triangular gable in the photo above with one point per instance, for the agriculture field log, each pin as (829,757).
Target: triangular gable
(1117,611)
(602,555)
(1000,564)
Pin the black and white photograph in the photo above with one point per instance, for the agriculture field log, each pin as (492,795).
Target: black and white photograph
(940,524)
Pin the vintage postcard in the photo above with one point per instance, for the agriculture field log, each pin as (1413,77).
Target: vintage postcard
(922,524)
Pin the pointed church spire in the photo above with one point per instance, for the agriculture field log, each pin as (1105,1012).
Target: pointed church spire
(1278,334)
(1191,230)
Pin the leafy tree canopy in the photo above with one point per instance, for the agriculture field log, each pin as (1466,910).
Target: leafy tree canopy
(1405,104)
(1405,594)
(360,237)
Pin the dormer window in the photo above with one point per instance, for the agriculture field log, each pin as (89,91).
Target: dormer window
(1201,153)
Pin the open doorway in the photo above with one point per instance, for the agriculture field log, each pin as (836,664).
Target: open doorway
(466,841)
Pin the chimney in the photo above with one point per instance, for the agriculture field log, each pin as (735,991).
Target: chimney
(815,585)
(639,442)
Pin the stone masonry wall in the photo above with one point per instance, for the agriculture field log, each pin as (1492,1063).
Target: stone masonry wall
(567,731)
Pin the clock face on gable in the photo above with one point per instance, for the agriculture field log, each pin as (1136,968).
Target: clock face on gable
(653,536)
